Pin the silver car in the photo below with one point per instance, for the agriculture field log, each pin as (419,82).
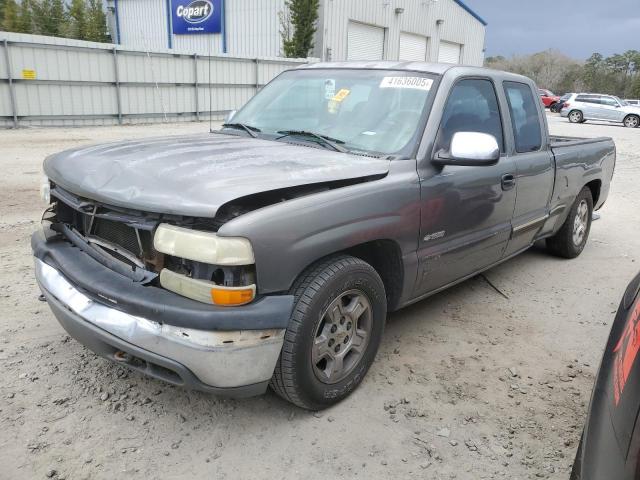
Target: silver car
(581,107)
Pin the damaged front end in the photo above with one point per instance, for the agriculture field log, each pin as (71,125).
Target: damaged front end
(123,241)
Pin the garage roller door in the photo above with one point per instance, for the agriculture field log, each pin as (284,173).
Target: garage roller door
(365,42)
(449,52)
(413,48)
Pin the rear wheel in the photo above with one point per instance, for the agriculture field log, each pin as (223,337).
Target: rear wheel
(334,332)
(552,107)
(575,116)
(631,121)
(570,240)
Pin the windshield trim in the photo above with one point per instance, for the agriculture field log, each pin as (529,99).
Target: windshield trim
(410,150)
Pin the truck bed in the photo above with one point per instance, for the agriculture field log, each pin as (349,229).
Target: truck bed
(560,141)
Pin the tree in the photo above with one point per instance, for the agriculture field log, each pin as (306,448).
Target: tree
(10,16)
(634,91)
(96,23)
(25,17)
(617,74)
(2,6)
(50,17)
(77,20)
(298,26)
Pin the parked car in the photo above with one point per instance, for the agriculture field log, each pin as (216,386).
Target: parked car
(581,107)
(548,98)
(632,101)
(560,103)
(610,441)
(270,252)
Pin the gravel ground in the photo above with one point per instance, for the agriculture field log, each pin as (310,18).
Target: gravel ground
(467,384)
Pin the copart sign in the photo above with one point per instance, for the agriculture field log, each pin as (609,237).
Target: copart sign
(196,16)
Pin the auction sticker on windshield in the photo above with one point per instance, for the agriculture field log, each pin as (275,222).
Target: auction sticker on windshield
(419,83)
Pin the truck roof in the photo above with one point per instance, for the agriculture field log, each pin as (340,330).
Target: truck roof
(435,68)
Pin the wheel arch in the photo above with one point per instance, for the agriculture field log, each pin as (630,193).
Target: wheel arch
(595,186)
(385,256)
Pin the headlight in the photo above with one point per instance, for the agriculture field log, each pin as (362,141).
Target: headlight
(205,247)
(45,190)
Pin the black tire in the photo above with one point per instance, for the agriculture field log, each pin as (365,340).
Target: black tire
(563,243)
(295,378)
(552,107)
(576,469)
(575,116)
(631,121)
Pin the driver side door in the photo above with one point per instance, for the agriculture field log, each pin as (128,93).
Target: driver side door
(466,211)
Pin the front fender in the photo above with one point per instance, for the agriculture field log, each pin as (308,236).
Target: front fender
(289,236)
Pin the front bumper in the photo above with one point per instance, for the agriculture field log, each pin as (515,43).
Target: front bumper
(222,361)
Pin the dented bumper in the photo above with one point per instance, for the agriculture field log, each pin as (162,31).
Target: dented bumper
(239,362)
(205,360)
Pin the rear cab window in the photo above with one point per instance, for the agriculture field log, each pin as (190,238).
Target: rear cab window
(525,118)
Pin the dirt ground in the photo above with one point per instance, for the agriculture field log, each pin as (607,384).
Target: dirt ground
(469,384)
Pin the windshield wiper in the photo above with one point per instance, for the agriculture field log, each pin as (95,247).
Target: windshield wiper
(247,128)
(332,142)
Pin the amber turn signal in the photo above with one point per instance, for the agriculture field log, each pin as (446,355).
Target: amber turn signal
(231,297)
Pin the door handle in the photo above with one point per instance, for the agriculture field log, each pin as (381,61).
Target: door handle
(508,181)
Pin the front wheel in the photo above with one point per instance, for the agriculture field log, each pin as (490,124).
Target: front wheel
(575,116)
(570,240)
(631,121)
(336,326)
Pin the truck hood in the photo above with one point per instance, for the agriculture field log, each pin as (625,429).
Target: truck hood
(194,175)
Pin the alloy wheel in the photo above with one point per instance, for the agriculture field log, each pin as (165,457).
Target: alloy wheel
(580,223)
(341,336)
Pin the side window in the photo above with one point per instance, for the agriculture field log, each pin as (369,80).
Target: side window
(608,101)
(472,106)
(524,117)
(587,99)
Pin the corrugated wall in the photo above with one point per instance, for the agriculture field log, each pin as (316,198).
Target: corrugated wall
(146,24)
(252,28)
(419,17)
(82,83)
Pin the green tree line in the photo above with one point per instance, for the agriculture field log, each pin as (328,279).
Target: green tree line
(618,74)
(298,23)
(81,19)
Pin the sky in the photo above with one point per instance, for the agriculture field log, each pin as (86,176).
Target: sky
(576,28)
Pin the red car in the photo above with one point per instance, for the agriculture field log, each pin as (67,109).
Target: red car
(548,97)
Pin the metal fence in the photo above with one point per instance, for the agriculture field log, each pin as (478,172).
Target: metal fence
(56,81)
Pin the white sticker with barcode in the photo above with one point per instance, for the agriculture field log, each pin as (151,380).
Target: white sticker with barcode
(419,83)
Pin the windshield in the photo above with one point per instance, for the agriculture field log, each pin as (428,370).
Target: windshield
(375,111)
(621,102)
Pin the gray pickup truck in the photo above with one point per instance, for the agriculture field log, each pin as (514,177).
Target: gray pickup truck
(269,252)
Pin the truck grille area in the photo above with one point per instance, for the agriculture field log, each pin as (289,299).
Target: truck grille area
(126,236)
(122,235)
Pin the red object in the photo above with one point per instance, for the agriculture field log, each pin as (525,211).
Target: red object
(547,97)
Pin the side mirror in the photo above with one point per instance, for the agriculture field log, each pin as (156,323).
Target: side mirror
(229,116)
(470,149)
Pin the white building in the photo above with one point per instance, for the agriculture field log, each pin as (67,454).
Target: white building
(425,30)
